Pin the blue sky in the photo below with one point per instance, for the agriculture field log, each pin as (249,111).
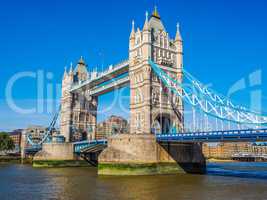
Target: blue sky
(224,41)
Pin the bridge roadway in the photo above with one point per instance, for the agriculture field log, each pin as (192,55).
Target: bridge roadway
(249,135)
(105,81)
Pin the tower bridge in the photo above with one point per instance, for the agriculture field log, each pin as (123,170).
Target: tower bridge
(160,90)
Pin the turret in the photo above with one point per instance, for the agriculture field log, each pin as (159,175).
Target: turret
(146,33)
(178,37)
(179,47)
(132,37)
(71,70)
(156,13)
(65,73)
(66,102)
(80,72)
(146,25)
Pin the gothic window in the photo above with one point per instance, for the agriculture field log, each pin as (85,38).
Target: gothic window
(138,96)
(165,43)
(155,96)
(76,117)
(138,120)
(82,117)
(138,40)
(161,41)
(139,52)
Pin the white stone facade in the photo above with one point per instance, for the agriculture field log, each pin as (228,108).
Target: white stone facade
(151,106)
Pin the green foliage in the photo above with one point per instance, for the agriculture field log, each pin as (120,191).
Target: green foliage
(60,163)
(6,143)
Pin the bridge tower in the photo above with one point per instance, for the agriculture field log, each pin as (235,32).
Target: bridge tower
(153,109)
(78,110)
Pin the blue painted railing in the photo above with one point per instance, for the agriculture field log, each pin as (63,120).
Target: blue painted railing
(249,135)
(78,146)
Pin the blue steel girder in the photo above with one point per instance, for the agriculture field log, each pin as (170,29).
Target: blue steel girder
(79,146)
(248,135)
(204,102)
(117,70)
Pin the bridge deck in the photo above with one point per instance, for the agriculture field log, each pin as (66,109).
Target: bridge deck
(109,74)
(249,135)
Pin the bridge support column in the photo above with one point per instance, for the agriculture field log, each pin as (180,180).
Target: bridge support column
(140,154)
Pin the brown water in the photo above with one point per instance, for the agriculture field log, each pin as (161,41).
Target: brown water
(223,181)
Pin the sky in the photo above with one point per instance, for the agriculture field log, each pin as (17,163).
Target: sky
(225,41)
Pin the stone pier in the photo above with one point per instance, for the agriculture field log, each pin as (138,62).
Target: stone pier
(57,155)
(135,154)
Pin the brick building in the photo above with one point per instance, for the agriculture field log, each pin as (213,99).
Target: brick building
(225,150)
(16,137)
(112,125)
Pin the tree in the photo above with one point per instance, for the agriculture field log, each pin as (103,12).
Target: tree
(6,143)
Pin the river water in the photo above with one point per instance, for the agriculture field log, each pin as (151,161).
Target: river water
(223,181)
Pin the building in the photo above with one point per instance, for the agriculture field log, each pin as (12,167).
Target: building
(36,133)
(152,107)
(16,138)
(259,148)
(112,125)
(225,150)
(78,111)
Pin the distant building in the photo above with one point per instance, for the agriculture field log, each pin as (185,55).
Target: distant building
(259,148)
(36,133)
(16,137)
(112,125)
(225,150)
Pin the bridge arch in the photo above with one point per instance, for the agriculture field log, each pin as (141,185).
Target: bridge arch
(162,123)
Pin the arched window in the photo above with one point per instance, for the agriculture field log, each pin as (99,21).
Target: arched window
(161,41)
(165,43)
(138,96)
(139,52)
(138,120)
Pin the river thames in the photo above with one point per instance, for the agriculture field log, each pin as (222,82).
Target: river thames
(223,181)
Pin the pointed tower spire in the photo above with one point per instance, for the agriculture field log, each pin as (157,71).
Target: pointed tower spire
(81,61)
(65,72)
(146,26)
(71,68)
(133,30)
(156,13)
(178,36)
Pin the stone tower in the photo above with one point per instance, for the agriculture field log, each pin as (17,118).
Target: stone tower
(153,109)
(78,110)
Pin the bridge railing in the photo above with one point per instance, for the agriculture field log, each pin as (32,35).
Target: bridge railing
(78,146)
(217,136)
(100,75)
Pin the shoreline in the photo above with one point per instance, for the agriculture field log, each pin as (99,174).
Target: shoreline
(210,160)
(217,160)
(10,159)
